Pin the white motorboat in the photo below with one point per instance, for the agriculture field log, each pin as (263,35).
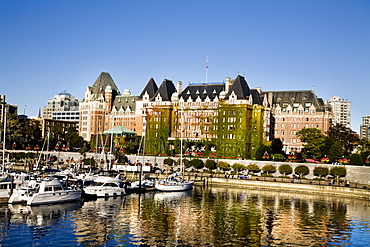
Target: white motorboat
(5,191)
(23,191)
(105,187)
(143,184)
(52,191)
(174,183)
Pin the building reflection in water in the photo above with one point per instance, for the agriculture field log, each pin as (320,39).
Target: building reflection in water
(206,216)
(218,216)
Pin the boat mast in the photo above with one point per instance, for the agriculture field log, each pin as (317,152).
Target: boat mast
(141,165)
(4,117)
(181,139)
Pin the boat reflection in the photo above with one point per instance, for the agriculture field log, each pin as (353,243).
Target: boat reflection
(93,220)
(43,215)
(171,196)
(103,207)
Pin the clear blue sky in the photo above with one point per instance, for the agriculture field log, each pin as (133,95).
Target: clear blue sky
(50,46)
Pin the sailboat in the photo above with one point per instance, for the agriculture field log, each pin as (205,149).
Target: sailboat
(6,186)
(176,181)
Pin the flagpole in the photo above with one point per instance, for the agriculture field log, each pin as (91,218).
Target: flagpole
(207,70)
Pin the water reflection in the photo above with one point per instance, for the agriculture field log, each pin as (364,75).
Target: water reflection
(94,221)
(201,217)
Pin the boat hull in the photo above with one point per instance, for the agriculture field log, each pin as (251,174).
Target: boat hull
(174,187)
(54,197)
(104,191)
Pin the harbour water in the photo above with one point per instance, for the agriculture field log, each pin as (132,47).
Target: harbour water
(200,217)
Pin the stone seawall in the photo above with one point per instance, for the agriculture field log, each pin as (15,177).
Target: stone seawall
(355,174)
(362,193)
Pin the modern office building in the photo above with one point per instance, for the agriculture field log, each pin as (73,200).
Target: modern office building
(62,107)
(341,110)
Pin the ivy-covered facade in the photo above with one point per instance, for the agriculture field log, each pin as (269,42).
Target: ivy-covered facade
(215,120)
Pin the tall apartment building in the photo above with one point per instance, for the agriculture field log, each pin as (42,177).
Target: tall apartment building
(365,128)
(293,111)
(341,110)
(62,106)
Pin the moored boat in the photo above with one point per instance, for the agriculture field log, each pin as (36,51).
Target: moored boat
(105,187)
(52,191)
(174,183)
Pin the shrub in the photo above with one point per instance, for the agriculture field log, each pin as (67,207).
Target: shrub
(210,164)
(223,165)
(278,157)
(355,159)
(197,163)
(253,168)
(321,171)
(285,169)
(238,166)
(168,161)
(269,169)
(302,170)
(338,171)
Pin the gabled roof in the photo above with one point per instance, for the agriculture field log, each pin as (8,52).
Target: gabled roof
(150,88)
(240,88)
(125,101)
(256,97)
(289,97)
(202,90)
(102,82)
(166,89)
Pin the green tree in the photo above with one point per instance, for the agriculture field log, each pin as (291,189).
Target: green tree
(345,136)
(285,169)
(32,133)
(355,159)
(237,166)
(210,164)
(328,143)
(72,137)
(14,130)
(269,169)
(313,139)
(335,151)
(302,170)
(197,163)
(253,168)
(277,146)
(186,162)
(168,161)
(261,151)
(363,145)
(223,165)
(321,171)
(278,157)
(338,171)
